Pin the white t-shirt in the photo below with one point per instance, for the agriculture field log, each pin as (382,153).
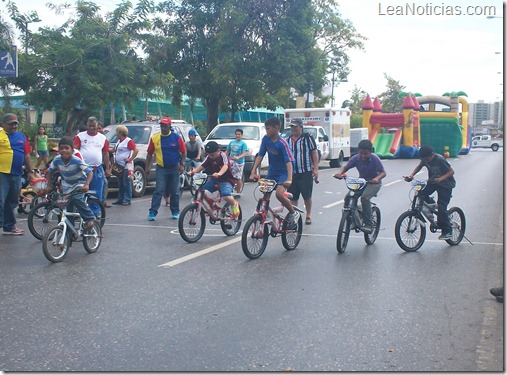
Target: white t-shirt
(91,147)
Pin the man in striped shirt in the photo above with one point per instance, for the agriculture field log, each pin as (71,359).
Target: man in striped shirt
(306,166)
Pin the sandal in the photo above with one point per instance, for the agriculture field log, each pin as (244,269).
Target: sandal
(308,221)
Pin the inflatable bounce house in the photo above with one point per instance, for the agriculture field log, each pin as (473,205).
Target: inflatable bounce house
(399,135)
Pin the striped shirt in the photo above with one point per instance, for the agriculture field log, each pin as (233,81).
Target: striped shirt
(302,151)
(73,173)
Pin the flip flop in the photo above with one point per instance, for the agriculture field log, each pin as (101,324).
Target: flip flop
(308,221)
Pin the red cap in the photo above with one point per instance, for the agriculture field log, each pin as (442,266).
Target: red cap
(165,121)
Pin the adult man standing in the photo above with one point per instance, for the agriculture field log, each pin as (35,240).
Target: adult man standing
(94,148)
(170,154)
(306,166)
(14,152)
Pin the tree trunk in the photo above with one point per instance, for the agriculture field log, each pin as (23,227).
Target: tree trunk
(112,117)
(146,108)
(102,116)
(211,113)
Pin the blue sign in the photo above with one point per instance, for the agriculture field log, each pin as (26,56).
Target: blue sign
(9,63)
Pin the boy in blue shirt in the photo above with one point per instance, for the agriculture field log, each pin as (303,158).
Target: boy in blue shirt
(236,151)
(280,164)
(74,173)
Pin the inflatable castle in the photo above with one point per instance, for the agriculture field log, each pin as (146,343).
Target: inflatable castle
(399,135)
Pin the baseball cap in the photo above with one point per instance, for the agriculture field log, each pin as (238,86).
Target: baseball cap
(211,147)
(10,118)
(165,121)
(296,122)
(192,132)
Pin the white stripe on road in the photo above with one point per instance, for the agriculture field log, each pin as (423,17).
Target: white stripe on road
(200,253)
(333,204)
(392,183)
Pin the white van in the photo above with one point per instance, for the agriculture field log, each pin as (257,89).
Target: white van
(253,132)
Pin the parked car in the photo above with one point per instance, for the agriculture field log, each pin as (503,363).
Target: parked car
(486,141)
(253,132)
(141,132)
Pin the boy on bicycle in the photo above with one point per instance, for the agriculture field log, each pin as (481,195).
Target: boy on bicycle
(280,164)
(74,173)
(216,164)
(371,169)
(236,151)
(440,180)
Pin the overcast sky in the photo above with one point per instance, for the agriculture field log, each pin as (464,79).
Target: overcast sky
(429,54)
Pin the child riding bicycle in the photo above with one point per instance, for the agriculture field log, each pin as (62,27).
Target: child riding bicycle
(216,164)
(74,173)
(440,180)
(371,169)
(280,165)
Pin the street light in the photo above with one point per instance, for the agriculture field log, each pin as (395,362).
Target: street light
(27,21)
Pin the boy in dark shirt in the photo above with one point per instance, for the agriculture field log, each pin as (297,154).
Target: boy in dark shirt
(440,180)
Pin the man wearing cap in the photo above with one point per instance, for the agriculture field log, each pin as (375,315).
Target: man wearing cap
(94,149)
(170,154)
(193,147)
(14,152)
(306,165)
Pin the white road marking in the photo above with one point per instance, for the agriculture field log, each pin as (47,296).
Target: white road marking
(392,183)
(200,253)
(333,204)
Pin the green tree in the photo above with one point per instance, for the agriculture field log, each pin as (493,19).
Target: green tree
(355,103)
(391,102)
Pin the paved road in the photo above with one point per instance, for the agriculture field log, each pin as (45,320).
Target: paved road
(148,301)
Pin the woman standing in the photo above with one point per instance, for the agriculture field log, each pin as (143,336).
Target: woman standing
(41,147)
(124,152)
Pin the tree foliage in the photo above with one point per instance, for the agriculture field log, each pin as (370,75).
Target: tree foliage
(391,102)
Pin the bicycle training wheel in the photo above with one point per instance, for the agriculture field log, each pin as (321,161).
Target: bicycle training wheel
(458,223)
(409,231)
(254,238)
(191,223)
(230,226)
(342,237)
(92,238)
(291,238)
(370,238)
(53,250)
(42,218)
(102,219)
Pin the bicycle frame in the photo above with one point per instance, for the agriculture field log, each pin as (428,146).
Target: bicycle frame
(356,188)
(426,212)
(212,207)
(270,216)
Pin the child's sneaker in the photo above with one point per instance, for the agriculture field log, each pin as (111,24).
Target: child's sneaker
(235,210)
(292,221)
(445,236)
(14,232)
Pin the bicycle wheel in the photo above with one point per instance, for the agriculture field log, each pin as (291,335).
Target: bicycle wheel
(370,238)
(191,223)
(27,202)
(409,231)
(254,238)
(43,217)
(230,226)
(102,219)
(291,238)
(53,250)
(457,219)
(92,238)
(342,237)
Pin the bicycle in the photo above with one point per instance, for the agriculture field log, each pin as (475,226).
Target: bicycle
(57,240)
(268,221)
(192,220)
(186,181)
(46,214)
(352,214)
(410,228)
(31,193)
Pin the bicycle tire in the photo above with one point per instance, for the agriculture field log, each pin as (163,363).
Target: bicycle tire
(26,206)
(230,226)
(102,219)
(49,245)
(291,238)
(42,218)
(254,239)
(342,238)
(458,222)
(92,238)
(410,233)
(370,238)
(191,224)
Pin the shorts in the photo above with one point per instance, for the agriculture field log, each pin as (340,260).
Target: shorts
(302,183)
(237,170)
(42,153)
(225,187)
(279,177)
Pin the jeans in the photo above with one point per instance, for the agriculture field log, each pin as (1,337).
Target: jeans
(192,162)
(97,184)
(369,192)
(224,186)
(444,197)
(125,187)
(83,209)
(169,177)
(106,183)
(9,199)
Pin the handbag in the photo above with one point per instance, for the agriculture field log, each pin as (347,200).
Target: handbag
(117,169)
